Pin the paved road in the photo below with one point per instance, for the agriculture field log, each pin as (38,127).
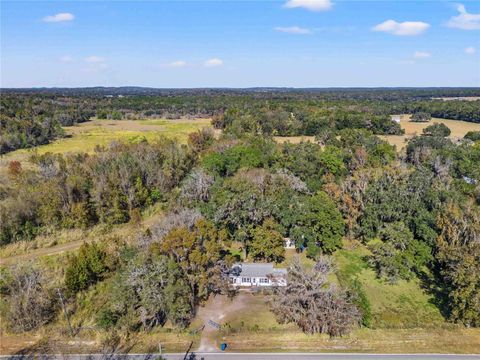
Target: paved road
(253,356)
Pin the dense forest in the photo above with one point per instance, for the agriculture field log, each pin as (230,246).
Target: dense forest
(34,117)
(417,212)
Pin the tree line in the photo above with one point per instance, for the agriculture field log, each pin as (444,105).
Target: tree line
(31,117)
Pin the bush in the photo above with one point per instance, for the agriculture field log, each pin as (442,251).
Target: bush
(472,135)
(438,129)
(86,268)
(106,319)
(361,301)
(421,117)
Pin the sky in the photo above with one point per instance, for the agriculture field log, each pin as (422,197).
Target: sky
(284,43)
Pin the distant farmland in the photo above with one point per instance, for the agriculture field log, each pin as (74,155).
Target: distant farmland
(86,136)
(458,128)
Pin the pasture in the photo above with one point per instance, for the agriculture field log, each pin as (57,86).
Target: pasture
(458,128)
(84,137)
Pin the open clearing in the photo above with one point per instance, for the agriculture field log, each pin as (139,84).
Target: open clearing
(458,128)
(252,327)
(464,98)
(86,136)
(294,139)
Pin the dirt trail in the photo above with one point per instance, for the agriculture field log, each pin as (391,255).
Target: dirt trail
(217,309)
(33,254)
(75,244)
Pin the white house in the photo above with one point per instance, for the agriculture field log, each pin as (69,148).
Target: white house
(257,275)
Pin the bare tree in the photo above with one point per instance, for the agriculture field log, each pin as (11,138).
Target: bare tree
(181,218)
(312,303)
(197,186)
(294,182)
(30,303)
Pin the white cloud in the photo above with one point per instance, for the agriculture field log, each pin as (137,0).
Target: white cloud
(293,30)
(66,59)
(177,64)
(470,50)
(213,62)
(407,28)
(464,20)
(94,59)
(421,55)
(60,17)
(312,5)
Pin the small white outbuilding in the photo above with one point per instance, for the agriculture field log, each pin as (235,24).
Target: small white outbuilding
(396,118)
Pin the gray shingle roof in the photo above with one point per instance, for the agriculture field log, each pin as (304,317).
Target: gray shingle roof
(259,270)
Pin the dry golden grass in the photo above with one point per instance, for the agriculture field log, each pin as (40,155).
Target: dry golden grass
(56,340)
(461,341)
(458,128)
(294,139)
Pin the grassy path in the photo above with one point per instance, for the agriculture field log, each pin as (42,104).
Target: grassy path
(33,254)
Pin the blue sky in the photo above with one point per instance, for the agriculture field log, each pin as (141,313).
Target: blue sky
(295,43)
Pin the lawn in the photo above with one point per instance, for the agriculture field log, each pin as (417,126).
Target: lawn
(254,328)
(402,305)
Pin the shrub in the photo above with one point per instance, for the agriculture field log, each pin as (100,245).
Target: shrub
(360,299)
(421,117)
(86,268)
(438,129)
(472,135)
(106,319)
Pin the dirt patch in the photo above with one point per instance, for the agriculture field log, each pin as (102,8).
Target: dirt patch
(294,139)
(217,309)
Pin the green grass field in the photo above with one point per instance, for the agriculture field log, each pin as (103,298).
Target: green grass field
(86,136)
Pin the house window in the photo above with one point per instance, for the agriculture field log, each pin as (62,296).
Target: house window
(246,280)
(263,281)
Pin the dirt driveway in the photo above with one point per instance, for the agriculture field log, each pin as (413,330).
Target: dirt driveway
(217,309)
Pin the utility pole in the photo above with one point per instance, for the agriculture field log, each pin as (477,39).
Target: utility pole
(62,301)
(188,350)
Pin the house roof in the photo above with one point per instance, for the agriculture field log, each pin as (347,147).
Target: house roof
(259,270)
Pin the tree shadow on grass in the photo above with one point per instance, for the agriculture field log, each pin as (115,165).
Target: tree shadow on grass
(432,284)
